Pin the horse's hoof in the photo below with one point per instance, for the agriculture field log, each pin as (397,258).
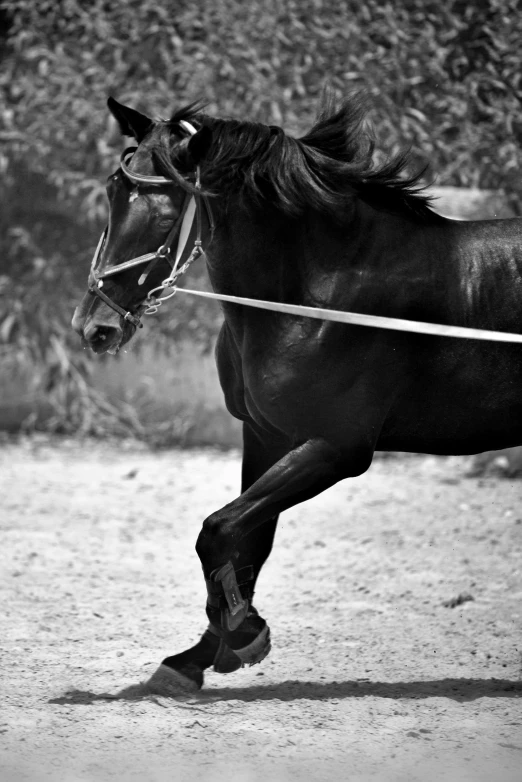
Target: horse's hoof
(171,683)
(257,650)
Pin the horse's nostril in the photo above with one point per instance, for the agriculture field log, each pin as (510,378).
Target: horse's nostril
(103,332)
(99,334)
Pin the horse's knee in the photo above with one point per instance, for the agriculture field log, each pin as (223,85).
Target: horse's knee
(212,542)
(207,533)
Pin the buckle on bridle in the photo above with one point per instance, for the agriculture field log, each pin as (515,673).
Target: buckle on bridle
(163,251)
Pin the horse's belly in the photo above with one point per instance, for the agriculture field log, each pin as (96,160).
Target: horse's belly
(448,423)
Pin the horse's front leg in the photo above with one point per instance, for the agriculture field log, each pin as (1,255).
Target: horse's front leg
(184,671)
(303,473)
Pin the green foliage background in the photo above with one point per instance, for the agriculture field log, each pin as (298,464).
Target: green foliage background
(443,77)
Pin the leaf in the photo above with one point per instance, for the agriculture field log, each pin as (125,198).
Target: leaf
(7,327)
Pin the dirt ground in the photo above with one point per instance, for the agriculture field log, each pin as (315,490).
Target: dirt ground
(371,675)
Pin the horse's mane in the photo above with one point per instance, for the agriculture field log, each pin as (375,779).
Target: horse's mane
(322,170)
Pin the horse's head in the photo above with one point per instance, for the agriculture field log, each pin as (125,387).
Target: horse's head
(150,219)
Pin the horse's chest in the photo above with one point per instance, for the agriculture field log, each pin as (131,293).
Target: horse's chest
(285,387)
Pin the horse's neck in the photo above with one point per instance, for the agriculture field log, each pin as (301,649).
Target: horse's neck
(374,261)
(370,261)
(255,253)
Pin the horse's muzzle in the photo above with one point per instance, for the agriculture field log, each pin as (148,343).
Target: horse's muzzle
(100,335)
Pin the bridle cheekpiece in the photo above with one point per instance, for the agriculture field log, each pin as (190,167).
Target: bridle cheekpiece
(181,229)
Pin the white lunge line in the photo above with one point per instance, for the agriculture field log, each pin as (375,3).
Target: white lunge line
(358,319)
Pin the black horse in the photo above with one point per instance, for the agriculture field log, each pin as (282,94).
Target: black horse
(310,221)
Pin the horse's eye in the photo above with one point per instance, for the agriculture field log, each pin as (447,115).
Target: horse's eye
(165,222)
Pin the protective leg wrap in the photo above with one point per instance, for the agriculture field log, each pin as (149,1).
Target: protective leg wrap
(245,634)
(231,594)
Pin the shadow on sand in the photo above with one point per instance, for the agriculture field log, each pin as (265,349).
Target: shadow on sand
(455,689)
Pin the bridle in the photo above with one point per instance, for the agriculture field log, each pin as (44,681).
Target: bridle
(181,229)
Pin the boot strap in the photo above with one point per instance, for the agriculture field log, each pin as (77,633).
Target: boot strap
(217,597)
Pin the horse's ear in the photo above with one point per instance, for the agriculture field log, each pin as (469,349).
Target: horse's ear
(131,122)
(199,144)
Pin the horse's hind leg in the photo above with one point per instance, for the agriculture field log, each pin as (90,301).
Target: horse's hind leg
(184,672)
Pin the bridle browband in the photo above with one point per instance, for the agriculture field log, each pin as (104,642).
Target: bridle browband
(181,229)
